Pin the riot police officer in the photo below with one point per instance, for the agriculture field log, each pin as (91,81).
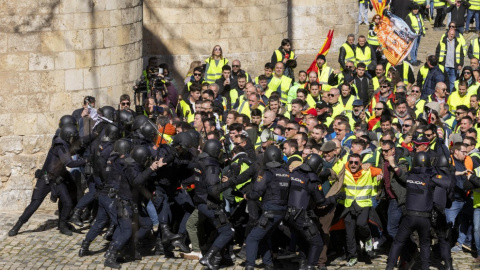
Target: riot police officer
(54,178)
(305,185)
(442,199)
(128,174)
(420,183)
(107,208)
(272,185)
(208,201)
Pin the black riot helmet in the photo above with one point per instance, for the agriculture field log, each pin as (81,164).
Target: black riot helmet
(442,161)
(122,146)
(112,133)
(312,163)
(421,159)
(149,130)
(108,112)
(272,157)
(142,155)
(183,139)
(139,121)
(126,119)
(69,133)
(213,148)
(67,120)
(195,138)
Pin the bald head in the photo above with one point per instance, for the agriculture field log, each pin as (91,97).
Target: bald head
(268,118)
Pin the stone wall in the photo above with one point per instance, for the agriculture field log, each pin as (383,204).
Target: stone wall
(179,32)
(311,20)
(52,54)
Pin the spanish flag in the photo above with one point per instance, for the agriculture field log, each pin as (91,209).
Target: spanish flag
(323,50)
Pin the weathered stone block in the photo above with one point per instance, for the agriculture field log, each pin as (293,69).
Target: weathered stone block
(65,60)
(84,58)
(26,42)
(92,39)
(102,57)
(40,62)
(91,78)
(74,79)
(6,125)
(24,124)
(14,62)
(108,75)
(11,145)
(52,81)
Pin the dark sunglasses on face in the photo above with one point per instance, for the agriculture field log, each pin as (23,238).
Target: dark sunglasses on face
(235,65)
(407,125)
(386,150)
(378,109)
(288,128)
(452,26)
(125,103)
(467,72)
(353,162)
(415,91)
(197,74)
(331,95)
(385,86)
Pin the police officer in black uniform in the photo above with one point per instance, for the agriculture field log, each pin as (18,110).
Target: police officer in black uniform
(127,173)
(94,181)
(443,198)
(420,184)
(54,178)
(305,185)
(207,198)
(107,193)
(273,186)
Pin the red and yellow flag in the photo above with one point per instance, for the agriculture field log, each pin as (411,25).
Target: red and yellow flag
(323,50)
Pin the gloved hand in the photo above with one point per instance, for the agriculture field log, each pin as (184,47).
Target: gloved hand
(340,196)
(99,186)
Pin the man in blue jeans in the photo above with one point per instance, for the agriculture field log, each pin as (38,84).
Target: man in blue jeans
(450,54)
(415,21)
(473,11)
(462,206)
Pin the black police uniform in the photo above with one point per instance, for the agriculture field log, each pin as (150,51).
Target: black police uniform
(273,186)
(209,204)
(420,184)
(305,185)
(107,209)
(442,198)
(57,176)
(132,176)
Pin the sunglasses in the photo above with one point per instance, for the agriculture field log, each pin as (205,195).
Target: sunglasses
(385,86)
(386,150)
(217,49)
(125,103)
(451,26)
(458,113)
(415,91)
(235,65)
(407,125)
(349,66)
(353,162)
(378,109)
(288,128)
(467,72)
(197,74)
(428,135)
(468,145)
(330,95)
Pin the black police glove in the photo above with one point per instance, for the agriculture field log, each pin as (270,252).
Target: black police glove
(99,186)
(340,196)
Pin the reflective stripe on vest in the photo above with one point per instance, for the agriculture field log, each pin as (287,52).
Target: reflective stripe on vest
(475,48)
(360,190)
(349,54)
(414,20)
(474,4)
(214,72)
(242,109)
(439,3)
(364,57)
(323,78)
(443,52)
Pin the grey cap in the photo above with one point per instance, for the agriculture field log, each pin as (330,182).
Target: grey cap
(357,103)
(328,146)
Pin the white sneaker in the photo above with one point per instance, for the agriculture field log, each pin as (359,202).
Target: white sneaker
(192,255)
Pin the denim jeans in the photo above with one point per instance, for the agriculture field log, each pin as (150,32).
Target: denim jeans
(476,228)
(414,51)
(152,212)
(394,216)
(363,12)
(452,76)
(462,210)
(476,15)
(459,30)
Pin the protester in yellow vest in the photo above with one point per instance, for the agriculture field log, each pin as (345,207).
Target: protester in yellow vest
(347,52)
(459,97)
(280,83)
(285,55)
(415,20)
(452,69)
(324,72)
(365,54)
(360,188)
(214,64)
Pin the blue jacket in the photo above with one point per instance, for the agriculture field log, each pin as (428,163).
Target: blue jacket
(434,76)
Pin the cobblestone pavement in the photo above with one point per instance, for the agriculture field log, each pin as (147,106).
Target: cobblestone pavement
(40,246)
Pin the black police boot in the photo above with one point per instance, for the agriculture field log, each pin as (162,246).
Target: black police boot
(311,267)
(249,267)
(208,259)
(159,250)
(180,244)
(63,227)
(16,228)
(167,235)
(269,267)
(84,249)
(217,259)
(449,265)
(109,234)
(111,258)
(302,264)
(75,219)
